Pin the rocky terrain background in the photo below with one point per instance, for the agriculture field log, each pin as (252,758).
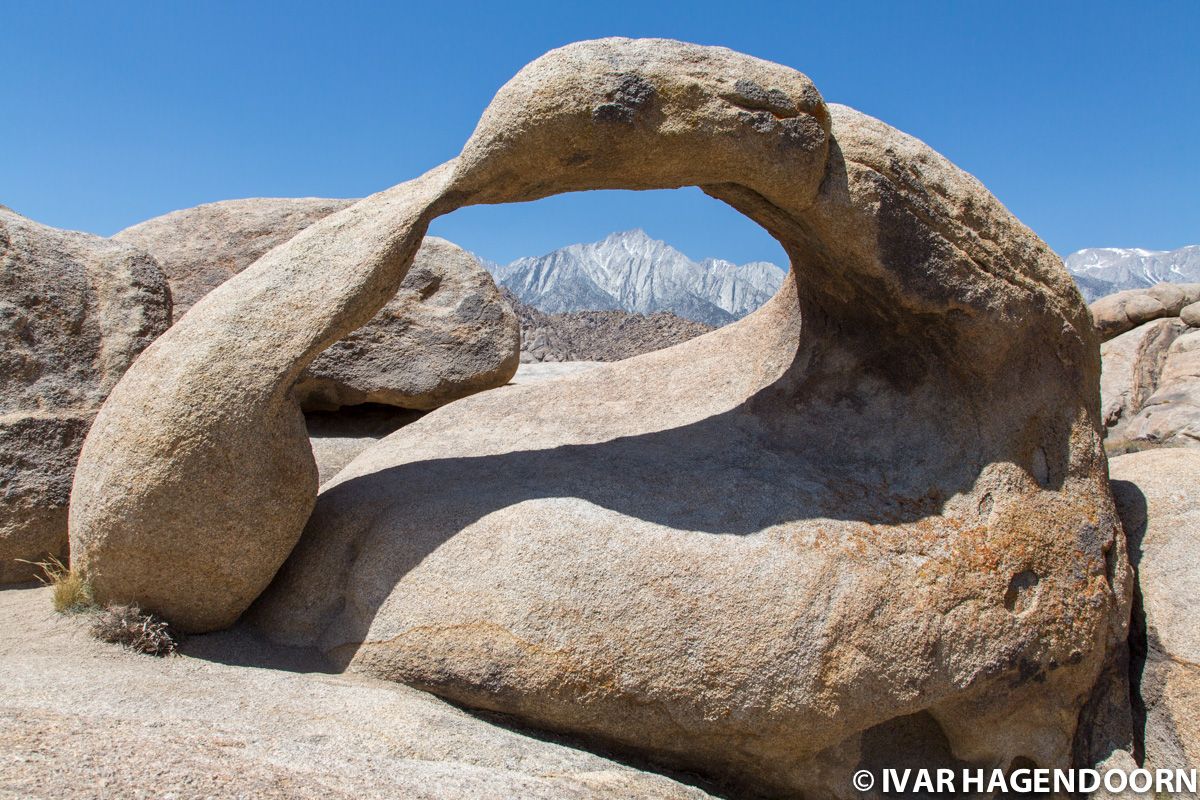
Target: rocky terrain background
(597,335)
(634,272)
(753,562)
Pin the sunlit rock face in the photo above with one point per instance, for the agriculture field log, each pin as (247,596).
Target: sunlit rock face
(869,521)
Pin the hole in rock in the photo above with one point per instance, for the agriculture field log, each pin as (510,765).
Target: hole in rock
(985,506)
(1022,762)
(1041,468)
(1110,563)
(578,266)
(1021,595)
(366,420)
(1134,504)
(912,742)
(339,436)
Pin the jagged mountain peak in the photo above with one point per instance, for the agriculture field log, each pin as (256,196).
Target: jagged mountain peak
(631,235)
(632,271)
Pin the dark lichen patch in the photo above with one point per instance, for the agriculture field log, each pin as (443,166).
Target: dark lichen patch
(759,121)
(612,112)
(802,132)
(749,95)
(633,91)
(631,94)
(1028,670)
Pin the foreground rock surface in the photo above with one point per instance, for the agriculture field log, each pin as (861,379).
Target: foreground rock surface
(235,718)
(778,552)
(75,311)
(677,554)
(1158,495)
(444,335)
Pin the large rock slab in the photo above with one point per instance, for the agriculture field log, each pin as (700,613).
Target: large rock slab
(1150,386)
(1124,311)
(776,552)
(870,521)
(444,335)
(75,311)
(232,718)
(1158,496)
(1171,415)
(1131,370)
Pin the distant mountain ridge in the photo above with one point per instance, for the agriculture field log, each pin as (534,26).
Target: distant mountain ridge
(630,271)
(1101,271)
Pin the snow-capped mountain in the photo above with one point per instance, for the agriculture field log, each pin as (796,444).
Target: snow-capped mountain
(1100,271)
(630,271)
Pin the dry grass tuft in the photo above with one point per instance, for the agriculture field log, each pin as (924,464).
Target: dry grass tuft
(124,625)
(71,594)
(131,627)
(1120,447)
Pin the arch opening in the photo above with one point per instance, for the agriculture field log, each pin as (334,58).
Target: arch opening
(634,253)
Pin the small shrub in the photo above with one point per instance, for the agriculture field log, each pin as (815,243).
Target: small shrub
(130,627)
(70,593)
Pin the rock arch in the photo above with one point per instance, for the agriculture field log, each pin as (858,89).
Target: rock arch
(924,386)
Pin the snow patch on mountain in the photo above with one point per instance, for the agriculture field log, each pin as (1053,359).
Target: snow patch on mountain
(1100,271)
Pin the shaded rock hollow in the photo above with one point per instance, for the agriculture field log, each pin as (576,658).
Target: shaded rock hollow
(880,498)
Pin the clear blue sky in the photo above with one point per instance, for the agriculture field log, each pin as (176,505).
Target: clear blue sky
(1084,118)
